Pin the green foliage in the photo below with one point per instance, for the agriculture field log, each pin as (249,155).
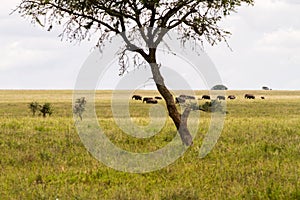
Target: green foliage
(208,106)
(46,109)
(212,106)
(34,107)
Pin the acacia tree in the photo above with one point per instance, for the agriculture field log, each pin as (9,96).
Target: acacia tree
(194,19)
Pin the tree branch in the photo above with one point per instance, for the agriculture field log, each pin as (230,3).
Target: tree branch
(180,21)
(70,12)
(173,11)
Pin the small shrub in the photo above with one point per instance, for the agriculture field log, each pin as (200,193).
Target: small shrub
(79,107)
(212,106)
(46,109)
(34,107)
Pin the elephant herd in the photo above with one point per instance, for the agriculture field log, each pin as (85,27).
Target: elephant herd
(149,100)
(182,98)
(251,96)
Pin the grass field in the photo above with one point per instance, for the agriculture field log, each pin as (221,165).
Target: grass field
(256,157)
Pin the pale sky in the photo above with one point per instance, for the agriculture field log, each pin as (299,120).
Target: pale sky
(265,42)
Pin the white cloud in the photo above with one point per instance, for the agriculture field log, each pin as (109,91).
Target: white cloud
(8,6)
(289,1)
(281,39)
(268,15)
(14,55)
(34,58)
(23,52)
(265,41)
(282,45)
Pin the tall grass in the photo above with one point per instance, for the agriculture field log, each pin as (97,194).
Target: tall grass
(256,157)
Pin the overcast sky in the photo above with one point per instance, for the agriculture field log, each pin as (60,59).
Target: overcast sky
(265,42)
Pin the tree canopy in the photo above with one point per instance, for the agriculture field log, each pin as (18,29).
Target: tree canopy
(196,19)
(219,87)
(265,88)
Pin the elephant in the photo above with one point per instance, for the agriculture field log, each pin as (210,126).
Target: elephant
(145,99)
(183,96)
(231,97)
(152,101)
(136,97)
(249,96)
(221,97)
(206,97)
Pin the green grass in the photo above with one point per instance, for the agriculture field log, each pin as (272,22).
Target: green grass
(256,157)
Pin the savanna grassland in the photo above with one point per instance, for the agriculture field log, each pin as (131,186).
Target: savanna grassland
(256,157)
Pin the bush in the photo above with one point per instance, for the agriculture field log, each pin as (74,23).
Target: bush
(265,88)
(219,87)
(34,107)
(79,107)
(212,106)
(44,109)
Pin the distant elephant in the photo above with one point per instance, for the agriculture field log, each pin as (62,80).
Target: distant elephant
(249,96)
(183,96)
(262,97)
(206,97)
(231,97)
(158,98)
(151,101)
(190,97)
(145,99)
(136,97)
(221,97)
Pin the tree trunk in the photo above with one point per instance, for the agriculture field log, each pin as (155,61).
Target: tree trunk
(179,120)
